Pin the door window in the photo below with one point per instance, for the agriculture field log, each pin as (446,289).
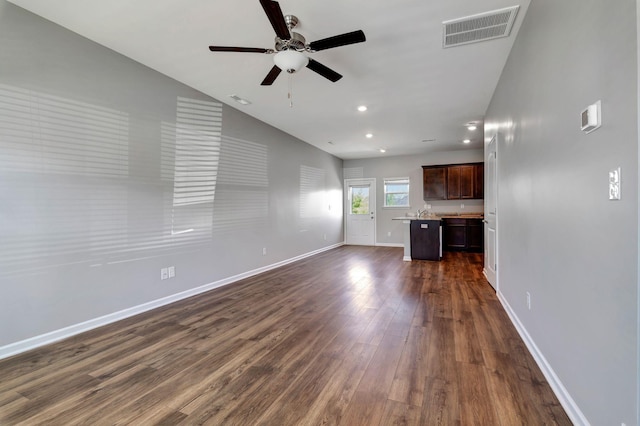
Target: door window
(359,199)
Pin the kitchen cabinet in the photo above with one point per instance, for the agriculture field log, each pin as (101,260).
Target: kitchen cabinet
(475,235)
(425,239)
(460,182)
(454,234)
(434,182)
(453,182)
(478,182)
(463,234)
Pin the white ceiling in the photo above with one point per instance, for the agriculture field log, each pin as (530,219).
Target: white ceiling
(415,90)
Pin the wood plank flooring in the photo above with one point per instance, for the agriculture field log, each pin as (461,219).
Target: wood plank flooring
(353,336)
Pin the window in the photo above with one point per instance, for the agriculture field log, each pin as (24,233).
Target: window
(359,199)
(396,192)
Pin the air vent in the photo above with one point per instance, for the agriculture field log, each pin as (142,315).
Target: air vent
(240,100)
(481,27)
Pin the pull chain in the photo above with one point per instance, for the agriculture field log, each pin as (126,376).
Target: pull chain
(290,95)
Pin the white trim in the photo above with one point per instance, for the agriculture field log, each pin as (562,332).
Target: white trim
(389,245)
(66,332)
(638,240)
(567,402)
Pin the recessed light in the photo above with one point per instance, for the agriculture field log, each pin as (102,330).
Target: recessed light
(382,150)
(472,127)
(330,143)
(369,135)
(362,108)
(466,141)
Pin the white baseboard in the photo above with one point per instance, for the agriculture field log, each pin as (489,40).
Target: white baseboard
(389,245)
(567,402)
(64,333)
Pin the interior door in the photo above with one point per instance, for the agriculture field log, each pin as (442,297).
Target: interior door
(491,214)
(360,211)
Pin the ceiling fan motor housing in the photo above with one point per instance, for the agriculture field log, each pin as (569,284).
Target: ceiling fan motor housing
(296,42)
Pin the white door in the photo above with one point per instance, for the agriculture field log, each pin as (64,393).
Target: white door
(491,213)
(360,211)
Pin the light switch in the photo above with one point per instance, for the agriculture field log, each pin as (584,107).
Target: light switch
(614,184)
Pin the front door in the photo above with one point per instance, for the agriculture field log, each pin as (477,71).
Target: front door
(360,211)
(491,214)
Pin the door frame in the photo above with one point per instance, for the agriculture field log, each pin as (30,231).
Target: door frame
(347,206)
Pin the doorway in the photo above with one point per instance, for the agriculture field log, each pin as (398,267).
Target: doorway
(491,213)
(360,211)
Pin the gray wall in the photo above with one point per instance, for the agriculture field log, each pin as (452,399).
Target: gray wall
(559,236)
(98,180)
(411,166)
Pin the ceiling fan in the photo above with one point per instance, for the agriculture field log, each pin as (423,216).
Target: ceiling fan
(290,46)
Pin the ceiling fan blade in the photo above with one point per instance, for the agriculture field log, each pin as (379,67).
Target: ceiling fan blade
(271,77)
(239,49)
(274,13)
(324,71)
(339,40)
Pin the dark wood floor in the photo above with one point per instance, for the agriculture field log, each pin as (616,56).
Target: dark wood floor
(354,336)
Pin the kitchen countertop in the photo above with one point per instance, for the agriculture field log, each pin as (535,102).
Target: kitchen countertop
(443,216)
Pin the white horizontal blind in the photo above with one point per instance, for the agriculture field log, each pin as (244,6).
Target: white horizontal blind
(242,198)
(196,164)
(353,173)
(43,133)
(64,165)
(312,192)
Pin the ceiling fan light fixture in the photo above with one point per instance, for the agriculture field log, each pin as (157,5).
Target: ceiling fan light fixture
(290,61)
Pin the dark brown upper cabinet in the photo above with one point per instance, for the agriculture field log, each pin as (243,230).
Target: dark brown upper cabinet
(453,182)
(478,182)
(434,182)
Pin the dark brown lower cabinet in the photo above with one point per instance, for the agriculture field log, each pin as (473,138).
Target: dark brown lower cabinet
(455,234)
(425,239)
(460,234)
(475,235)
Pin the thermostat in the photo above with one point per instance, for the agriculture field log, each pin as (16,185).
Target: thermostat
(591,118)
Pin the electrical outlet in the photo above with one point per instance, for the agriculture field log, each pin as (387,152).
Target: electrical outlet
(462,205)
(164,274)
(264,251)
(528,300)
(324,236)
(428,206)
(389,234)
(614,184)
(172,271)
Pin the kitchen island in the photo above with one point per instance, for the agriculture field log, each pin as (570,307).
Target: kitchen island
(425,239)
(422,238)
